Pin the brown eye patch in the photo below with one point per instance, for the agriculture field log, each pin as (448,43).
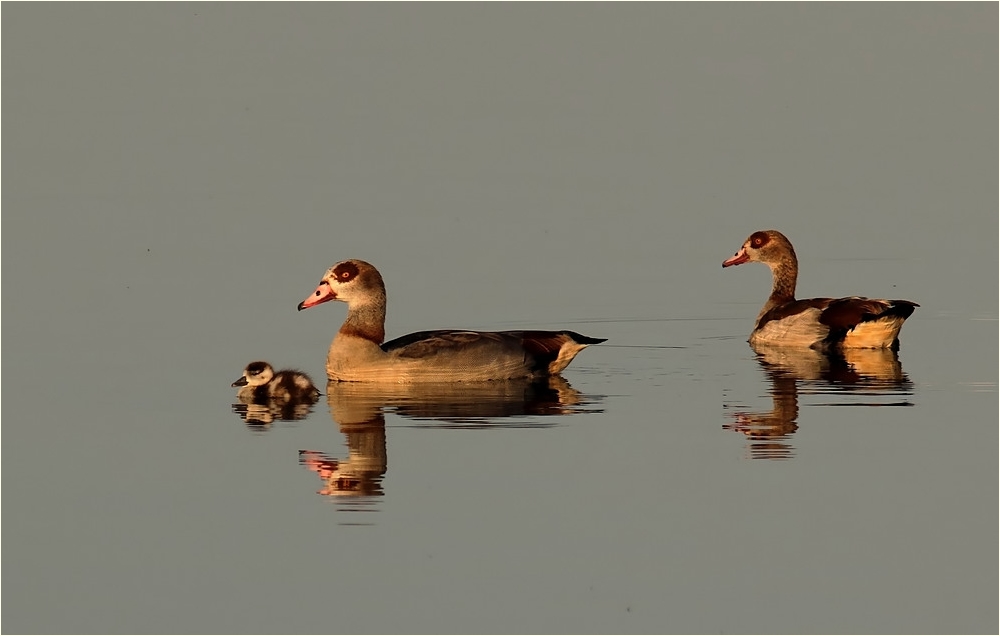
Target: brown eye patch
(759,239)
(345,271)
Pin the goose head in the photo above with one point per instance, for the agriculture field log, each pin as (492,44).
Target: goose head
(354,282)
(770,247)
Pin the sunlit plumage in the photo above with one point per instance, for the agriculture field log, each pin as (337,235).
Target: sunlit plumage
(358,353)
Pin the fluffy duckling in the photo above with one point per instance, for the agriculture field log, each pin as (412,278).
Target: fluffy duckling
(261,383)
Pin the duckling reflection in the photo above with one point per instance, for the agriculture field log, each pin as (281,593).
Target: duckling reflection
(874,373)
(266,395)
(359,410)
(261,416)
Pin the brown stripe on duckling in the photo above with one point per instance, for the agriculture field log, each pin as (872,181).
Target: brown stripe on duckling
(256,368)
(294,385)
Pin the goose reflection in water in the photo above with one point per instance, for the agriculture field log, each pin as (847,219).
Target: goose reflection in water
(359,410)
(870,373)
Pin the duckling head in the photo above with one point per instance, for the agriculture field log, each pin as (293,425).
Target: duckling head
(256,374)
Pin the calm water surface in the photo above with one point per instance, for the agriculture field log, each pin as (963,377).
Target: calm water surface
(178,177)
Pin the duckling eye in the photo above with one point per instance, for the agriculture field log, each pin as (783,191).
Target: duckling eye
(757,241)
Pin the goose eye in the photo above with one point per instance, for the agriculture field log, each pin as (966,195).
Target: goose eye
(345,271)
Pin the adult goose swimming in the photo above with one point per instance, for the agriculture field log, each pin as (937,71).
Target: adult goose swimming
(358,353)
(819,323)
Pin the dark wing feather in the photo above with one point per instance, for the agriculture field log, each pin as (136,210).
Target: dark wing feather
(543,347)
(844,314)
(411,338)
(421,343)
(539,348)
(847,313)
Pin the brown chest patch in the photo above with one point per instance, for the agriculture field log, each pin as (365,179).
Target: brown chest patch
(375,334)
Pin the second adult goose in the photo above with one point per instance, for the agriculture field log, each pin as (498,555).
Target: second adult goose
(819,323)
(358,353)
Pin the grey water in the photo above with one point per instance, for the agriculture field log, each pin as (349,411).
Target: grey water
(177,177)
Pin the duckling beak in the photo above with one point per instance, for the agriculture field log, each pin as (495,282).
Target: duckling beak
(322,294)
(737,258)
(241,382)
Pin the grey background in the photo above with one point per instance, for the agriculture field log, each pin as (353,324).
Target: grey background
(177,177)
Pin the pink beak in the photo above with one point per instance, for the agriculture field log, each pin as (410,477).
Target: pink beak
(322,294)
(737,259)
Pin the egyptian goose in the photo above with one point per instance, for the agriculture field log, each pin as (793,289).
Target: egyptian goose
(818,323)
(261,383)
(358,353)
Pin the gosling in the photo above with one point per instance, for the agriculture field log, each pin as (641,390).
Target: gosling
(261,383)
